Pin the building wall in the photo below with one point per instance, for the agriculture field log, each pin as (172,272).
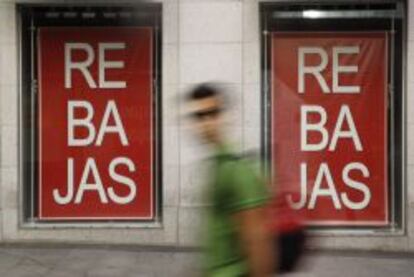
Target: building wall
(203,40)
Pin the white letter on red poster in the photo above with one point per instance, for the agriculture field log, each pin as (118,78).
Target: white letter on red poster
(81,66)
(314,70)
(324,173)
(356,185)
(336,69)
(63,200)
(305,127)
(103,64)
(80,122)
(111,109)
(345,115)
(97,185)
(122,180)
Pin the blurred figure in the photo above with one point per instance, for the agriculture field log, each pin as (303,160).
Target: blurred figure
(238,240)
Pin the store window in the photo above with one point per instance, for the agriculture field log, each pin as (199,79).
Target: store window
(90,114)
(333,82)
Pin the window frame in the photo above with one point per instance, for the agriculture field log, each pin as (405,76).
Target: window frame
(289,16)
(32,16)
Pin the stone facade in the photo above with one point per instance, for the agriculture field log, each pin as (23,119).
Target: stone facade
(203,40)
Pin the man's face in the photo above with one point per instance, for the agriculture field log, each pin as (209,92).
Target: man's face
(206,116)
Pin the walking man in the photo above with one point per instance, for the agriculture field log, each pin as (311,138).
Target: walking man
(238,242)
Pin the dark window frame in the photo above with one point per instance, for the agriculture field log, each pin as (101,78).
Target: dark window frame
(33,16)
(272,19)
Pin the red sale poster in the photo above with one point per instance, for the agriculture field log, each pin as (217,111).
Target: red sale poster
(95,123)
(329,125)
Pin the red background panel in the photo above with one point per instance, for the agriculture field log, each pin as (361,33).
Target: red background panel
(369,112)
(134,105)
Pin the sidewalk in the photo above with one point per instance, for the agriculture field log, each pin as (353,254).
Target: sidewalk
(105,261)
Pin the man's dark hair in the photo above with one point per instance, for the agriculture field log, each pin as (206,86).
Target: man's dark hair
(207,90)
(203,91)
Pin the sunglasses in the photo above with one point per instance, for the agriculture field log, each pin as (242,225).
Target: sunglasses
(203,114)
